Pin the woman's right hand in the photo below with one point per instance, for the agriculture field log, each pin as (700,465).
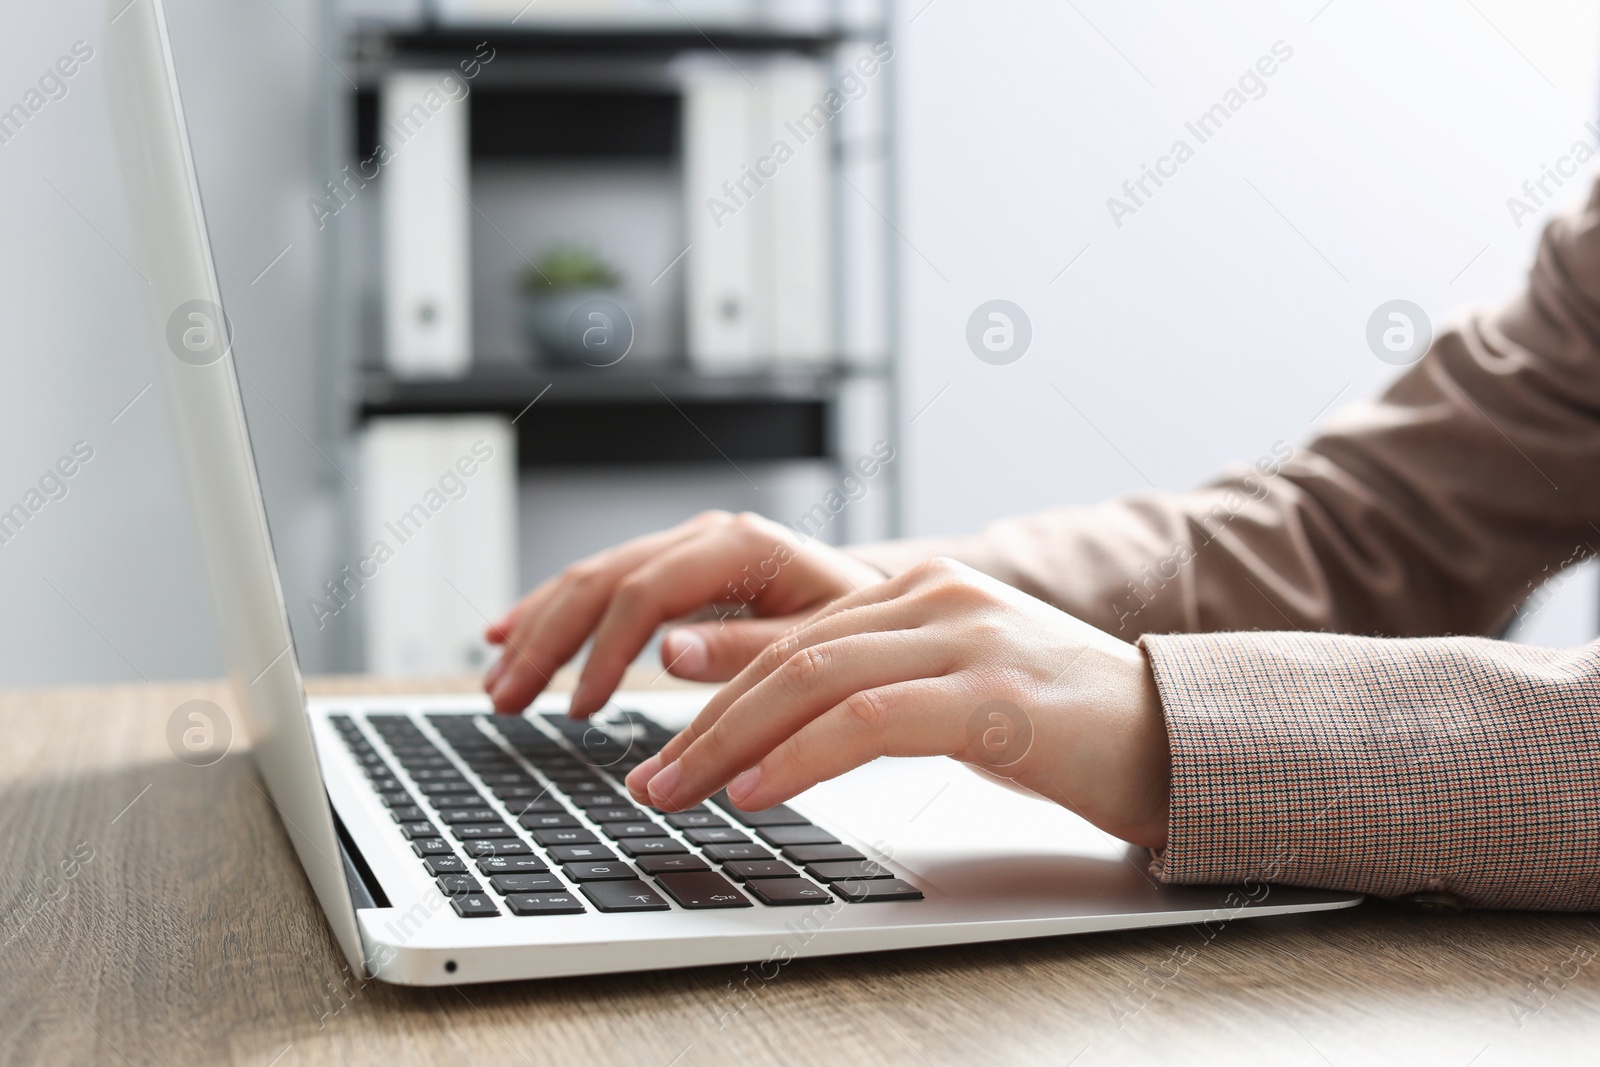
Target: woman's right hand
(621,595)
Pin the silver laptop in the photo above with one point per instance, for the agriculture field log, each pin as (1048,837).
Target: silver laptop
(449,845)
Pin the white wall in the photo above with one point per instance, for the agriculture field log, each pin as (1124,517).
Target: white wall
(104,584)
(1230,309)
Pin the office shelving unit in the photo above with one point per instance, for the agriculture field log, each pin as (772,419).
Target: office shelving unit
(598,87)
(576,90)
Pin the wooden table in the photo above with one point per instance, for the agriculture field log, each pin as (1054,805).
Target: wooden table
(155,914)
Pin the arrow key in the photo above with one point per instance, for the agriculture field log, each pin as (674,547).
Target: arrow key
(697,890)
(632,895)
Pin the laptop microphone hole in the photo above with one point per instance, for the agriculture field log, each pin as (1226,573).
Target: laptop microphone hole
(450,966)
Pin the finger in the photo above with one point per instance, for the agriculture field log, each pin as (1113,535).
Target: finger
(768,660)
(689,575)
(624,557)
(555,625)
(872,619)
(812,681)
(912,718)
(880,608)
(716,651)
(542,642)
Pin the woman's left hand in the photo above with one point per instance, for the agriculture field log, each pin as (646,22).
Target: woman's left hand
(940,661)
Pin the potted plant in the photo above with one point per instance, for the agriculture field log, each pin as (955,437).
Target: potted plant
(573,311)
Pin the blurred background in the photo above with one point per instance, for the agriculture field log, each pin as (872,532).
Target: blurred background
(512,281)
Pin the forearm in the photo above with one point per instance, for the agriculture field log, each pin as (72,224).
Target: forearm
(1436,508)
(1454,766)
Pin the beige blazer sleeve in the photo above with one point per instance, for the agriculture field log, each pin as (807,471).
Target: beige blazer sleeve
(1435,509)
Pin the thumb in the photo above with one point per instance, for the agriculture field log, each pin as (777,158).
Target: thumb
(716,651)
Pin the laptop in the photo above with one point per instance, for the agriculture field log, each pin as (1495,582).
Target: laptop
(449,845)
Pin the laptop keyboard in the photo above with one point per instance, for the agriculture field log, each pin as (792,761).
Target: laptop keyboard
(522,817)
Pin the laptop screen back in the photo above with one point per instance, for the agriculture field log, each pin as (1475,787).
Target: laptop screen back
(194,349)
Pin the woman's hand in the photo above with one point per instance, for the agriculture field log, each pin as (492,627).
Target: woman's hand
(940,661)
(622,595)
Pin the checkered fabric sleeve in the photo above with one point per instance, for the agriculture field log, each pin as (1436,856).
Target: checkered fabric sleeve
(1455,765)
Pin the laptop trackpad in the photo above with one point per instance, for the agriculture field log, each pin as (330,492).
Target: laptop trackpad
(970,837)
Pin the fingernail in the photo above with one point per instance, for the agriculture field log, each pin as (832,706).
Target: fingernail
(744,785)
(665,783)
(685,651)
(638,779)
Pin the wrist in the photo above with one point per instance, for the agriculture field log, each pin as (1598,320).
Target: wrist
(1150,758)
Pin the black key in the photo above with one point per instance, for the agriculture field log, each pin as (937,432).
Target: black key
(548,820)
(565,836)
(474,906)
(820,853)
(408,813)
(444,865)
(543,805)
(460,815)
(388,785)
(496,846)
(860,891)
(437,774)
(494,778)
(580,853)
(527,883)
(653,846)
(849,870)
(564,770)
(684,820)
(632,895)
(598,800)
(623,831)
(414,830)
(628,813)
(478,831)
(457,801)
(413,764)
(668,864)
(490,760)
(598,872)
(544,904)
(451,884)
(575,786)
(724,853)
(397,798)
(699,890)
(526,797)
(744,870)
(435,788)
(432,846)
(786,892)
(493,865)
(777,815)
(716,835)
(795,835)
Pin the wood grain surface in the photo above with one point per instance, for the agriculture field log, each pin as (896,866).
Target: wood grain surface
(154,913)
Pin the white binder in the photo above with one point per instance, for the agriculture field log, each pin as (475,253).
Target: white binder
(757,191)
(426,224)
(437,552)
